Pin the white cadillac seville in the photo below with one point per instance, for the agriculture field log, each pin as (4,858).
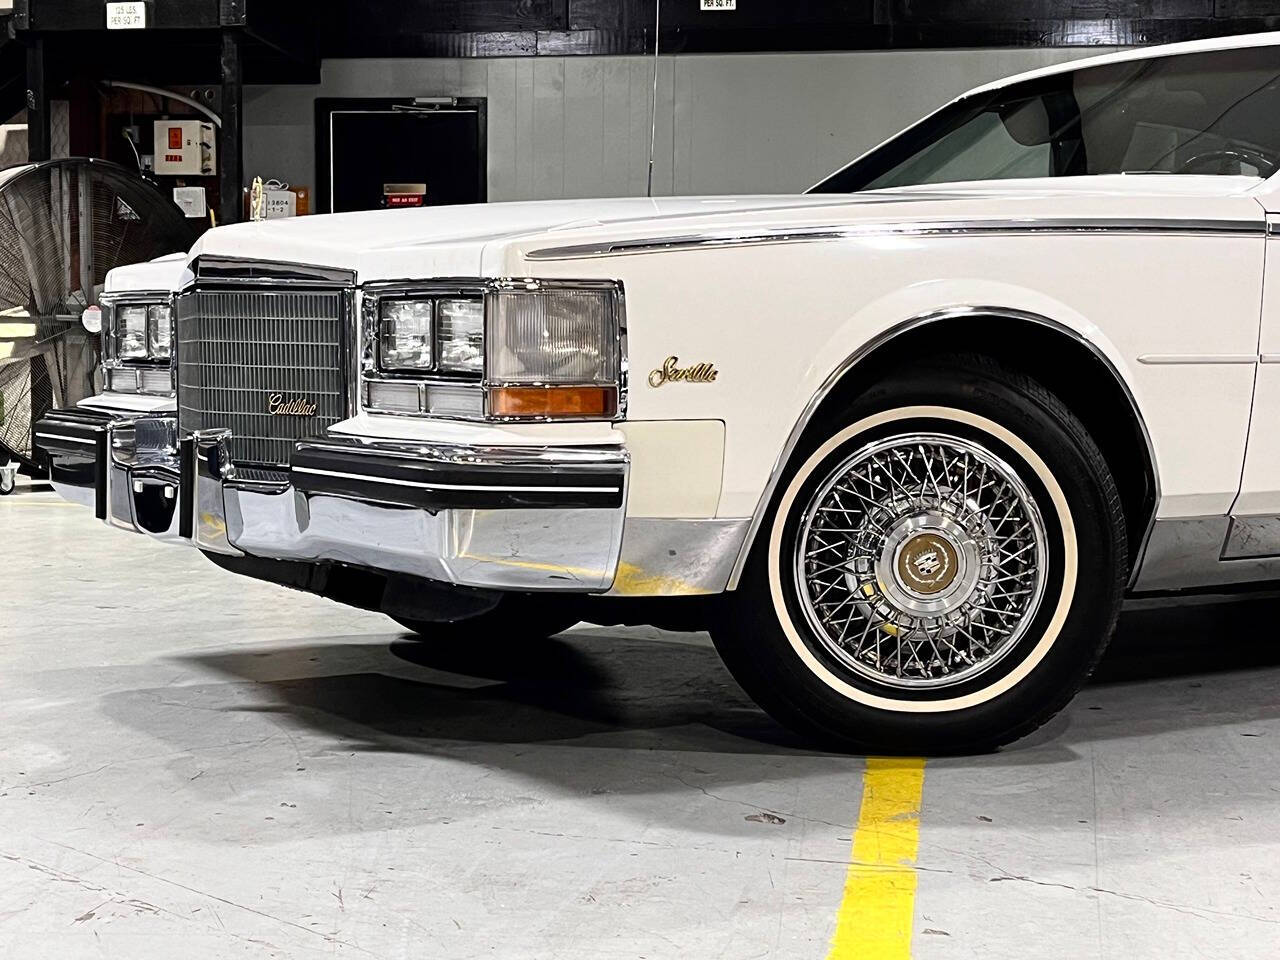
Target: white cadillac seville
(902,443)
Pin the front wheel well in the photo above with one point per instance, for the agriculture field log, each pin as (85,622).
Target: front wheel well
(1058,360)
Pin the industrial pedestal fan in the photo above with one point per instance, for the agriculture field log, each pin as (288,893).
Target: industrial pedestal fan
(63,225)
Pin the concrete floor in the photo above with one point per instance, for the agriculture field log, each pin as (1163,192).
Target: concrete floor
(190,759)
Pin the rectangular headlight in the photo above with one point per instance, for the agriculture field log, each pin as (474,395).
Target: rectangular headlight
(405,340)
(460,335)
(159,331)
(131,332)
(142,331)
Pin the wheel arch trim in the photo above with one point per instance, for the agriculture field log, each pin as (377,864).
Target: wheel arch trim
(886,336)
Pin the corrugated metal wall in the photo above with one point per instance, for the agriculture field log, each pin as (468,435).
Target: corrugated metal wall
(579,126)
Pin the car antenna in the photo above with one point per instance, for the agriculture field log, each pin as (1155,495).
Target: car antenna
(653,105)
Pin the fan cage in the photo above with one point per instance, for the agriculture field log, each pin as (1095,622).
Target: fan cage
(63,225)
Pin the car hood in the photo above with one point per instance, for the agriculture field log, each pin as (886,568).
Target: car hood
(492,239)
(452,237)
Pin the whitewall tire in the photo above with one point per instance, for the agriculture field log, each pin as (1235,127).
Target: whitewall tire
(940,570)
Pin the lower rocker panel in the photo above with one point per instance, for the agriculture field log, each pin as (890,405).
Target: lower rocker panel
(1190,553)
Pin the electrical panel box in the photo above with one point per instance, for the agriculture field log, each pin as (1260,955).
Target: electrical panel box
(185,148)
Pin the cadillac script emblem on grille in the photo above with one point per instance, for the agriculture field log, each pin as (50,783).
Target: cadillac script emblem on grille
(672,372)
(278,406)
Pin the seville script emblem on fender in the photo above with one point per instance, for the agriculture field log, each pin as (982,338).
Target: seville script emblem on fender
(278,406)
(672,372)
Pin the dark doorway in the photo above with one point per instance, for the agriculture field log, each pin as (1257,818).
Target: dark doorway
(372,153)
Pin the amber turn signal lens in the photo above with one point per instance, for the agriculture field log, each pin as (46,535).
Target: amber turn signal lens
(537,402)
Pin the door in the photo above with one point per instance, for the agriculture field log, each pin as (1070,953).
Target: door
(373,153)
(1255,526)
(1253,537)
(1242,139)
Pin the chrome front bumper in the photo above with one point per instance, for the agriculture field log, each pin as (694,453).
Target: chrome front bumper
(487,517)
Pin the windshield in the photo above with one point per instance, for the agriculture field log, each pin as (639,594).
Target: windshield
(1192,113)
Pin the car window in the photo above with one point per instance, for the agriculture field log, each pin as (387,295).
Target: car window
(981,149)
(1205,113)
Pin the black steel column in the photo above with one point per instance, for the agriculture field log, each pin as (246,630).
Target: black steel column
(231,150)
(84,213)
(39,131)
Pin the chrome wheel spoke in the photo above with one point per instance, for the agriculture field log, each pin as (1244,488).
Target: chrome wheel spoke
(921,560)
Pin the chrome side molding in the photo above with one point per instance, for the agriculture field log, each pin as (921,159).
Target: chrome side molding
(936,228)
(1158,359)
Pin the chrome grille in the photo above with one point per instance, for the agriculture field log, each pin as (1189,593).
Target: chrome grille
(239,348)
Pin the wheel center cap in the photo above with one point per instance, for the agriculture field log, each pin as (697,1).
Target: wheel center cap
(927,564)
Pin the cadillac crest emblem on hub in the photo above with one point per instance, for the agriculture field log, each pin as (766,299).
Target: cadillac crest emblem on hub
(278,406)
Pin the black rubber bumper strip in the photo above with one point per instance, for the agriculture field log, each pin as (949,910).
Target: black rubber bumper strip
(436,485)
(187,488)
(70,433)
(75,441)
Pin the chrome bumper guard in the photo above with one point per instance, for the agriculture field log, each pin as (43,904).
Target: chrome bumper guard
(488,517)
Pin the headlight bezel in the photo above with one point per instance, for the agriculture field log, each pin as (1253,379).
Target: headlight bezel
(150,372)
(380,379)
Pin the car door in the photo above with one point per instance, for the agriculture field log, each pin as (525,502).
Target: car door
(1245,140)
(1255,525)
(1254,530)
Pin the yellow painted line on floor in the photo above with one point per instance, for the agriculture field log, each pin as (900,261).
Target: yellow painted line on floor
(878,909)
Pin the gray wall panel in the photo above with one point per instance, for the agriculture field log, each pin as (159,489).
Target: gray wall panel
(523,159)
(617,158)
(548,128)
(503,128)
(579,126)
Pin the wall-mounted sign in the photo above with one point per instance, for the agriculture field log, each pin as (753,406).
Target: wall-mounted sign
(718,4)
(404,194)
(192,201)
(281,203)
(127,16)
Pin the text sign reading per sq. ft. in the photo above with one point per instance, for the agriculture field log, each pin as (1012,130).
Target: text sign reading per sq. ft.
(127,16)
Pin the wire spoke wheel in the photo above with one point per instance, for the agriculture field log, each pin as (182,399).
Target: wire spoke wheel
(920,560)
